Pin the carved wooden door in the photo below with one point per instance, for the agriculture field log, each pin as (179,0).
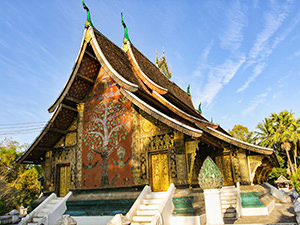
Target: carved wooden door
(64,180)
(160,172)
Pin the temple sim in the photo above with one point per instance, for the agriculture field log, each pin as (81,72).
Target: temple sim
(121,124)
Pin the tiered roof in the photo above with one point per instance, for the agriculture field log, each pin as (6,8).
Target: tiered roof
(141,82)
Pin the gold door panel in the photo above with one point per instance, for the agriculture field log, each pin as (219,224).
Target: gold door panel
(160,172)
(64,180)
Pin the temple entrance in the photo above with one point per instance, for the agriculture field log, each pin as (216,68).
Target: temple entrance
(159,171)
(64,180)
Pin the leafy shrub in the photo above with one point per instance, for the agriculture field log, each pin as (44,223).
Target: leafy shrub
(296,181)
(2,208)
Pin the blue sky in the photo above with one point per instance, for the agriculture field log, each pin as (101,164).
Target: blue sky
(241,58)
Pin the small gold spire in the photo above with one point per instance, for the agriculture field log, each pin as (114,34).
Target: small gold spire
(80,107)
(88,36)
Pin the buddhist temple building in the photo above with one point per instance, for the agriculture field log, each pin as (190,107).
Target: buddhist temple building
(120,123)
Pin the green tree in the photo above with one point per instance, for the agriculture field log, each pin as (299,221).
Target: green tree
(28,186)
(242,133)
(18,183)
(286,134)
(265,133)
(296,181)
(277,171)
(281,132)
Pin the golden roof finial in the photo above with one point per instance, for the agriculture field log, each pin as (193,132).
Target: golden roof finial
(162,65)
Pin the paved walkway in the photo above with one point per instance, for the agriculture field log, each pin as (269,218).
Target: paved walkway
(282,213)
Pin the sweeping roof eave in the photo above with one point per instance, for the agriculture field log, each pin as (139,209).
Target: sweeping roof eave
(239,143)
(72,76)
(159,80)
(175,124)
(50,126)
(114,60)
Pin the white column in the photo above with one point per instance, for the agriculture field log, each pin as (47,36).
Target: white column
(213,207)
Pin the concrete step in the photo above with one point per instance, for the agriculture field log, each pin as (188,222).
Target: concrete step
(229,201)
(47,209)
(149,207)
(139,223)
(36,219)
(228,194)
(54,201)
(228,188)
(32,223)
(142,219)
(225,206)
(156,195)
(41,214)
(146,212)
(152,201)
(229,210)
(228,197)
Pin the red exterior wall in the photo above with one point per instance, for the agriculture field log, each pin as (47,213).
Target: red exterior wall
(106,149)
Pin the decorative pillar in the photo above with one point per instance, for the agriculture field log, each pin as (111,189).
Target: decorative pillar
(191,147)
(80,108)
(211,180)
(235,166)
(243,165)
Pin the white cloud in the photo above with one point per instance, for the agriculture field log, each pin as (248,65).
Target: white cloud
(265,42)
(297,53)
(203,65)
(283,81)
(273,20)
(218,77)
(259,99)
(233,36)
(256,71)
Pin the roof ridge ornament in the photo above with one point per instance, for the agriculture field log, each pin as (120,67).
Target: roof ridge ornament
(199,108)
(188,90)
(88,20)
(126,37)
(161,63)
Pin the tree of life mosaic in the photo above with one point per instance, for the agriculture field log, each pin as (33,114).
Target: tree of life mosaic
(106,137)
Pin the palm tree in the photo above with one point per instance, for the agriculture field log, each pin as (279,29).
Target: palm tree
(287,133)
(264,136)
(281,132)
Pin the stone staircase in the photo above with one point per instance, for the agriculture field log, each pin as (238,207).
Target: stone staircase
(48,212)
(149,208)
(229,202)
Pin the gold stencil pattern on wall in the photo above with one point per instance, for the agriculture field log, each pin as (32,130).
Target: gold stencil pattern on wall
(71,139)
(64,180)
(181,169)
(160,172)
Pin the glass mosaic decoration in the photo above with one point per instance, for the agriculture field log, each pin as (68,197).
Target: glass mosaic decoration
(210,177)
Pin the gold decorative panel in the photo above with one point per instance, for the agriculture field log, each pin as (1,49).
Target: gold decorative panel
(71,139)
(150,136)
(190,149)
(181,169)
(64,180)
(60,143)
(224,164)
(73,126)
(160,172)
(235,166)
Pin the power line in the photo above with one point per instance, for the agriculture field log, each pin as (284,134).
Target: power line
(18,124)
(22,131)
(20,127)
